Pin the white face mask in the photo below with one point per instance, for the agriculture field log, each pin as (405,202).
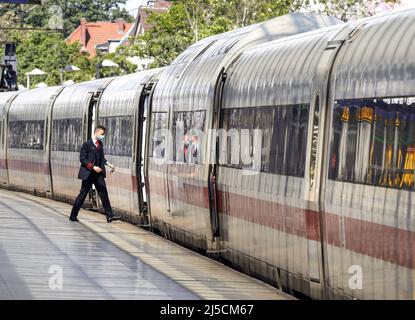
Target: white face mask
(101,138)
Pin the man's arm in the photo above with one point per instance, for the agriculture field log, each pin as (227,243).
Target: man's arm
(83,157)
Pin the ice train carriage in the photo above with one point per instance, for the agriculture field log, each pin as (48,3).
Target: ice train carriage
(123,110)
(28,141)
(270,223)
(367,176)
(73,114)
(186,98)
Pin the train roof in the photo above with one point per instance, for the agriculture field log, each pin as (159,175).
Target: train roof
(378,58)
(197,68)
(375,60)
(5,97)
(122,95)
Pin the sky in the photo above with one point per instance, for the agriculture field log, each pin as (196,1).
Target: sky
(132,6)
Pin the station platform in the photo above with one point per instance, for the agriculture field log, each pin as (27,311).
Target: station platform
(45,256)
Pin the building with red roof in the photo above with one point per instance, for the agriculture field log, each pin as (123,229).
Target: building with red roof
(102,37)
(95,36)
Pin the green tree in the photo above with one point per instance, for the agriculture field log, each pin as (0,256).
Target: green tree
(70,11)
(171,33)
(343,9)
(241,13)
(50,53)
(120,57)
(6,21)
(188,21)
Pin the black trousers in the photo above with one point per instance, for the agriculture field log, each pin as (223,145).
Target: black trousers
(99,182)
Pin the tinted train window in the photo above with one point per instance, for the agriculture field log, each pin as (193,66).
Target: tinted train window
(118,138)
(373,142)
(158,133)
(67,135)
(283,137)
(26,135)
(188,133)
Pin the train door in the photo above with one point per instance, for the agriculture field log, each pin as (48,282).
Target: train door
(142,134)
(315,167)
(4,174)
(91,123)
(213,163)
(48,147)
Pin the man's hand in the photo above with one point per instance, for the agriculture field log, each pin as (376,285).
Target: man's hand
(97,169)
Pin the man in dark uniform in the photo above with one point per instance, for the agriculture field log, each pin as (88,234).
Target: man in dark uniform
(92,172)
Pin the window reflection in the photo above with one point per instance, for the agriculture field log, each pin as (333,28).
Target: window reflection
(26,134)
(284,136)
(158,134)
(188,131)
(118,138)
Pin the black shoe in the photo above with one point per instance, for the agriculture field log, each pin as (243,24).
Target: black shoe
(74,219)
(113,218)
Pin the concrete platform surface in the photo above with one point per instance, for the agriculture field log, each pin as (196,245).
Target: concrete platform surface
(45,256)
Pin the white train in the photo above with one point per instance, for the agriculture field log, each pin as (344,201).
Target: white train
(319,205)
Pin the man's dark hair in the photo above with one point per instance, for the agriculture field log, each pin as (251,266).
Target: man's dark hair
(100,128)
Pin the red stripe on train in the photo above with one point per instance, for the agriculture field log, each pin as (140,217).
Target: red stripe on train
(387,243)
(128,182)
(304,223)
(28,166)
(3,164)
(124,180)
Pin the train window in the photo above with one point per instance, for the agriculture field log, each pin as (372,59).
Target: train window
(283,133)
(119,136)
(373,142)
(26,134)
(235,121)
(188,132)
(158,133)
(66,135)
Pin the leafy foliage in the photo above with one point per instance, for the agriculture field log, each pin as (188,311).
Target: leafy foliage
(345,9)
(188,21)
(119,57)
(172,32)
(71,11)
(50,53)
